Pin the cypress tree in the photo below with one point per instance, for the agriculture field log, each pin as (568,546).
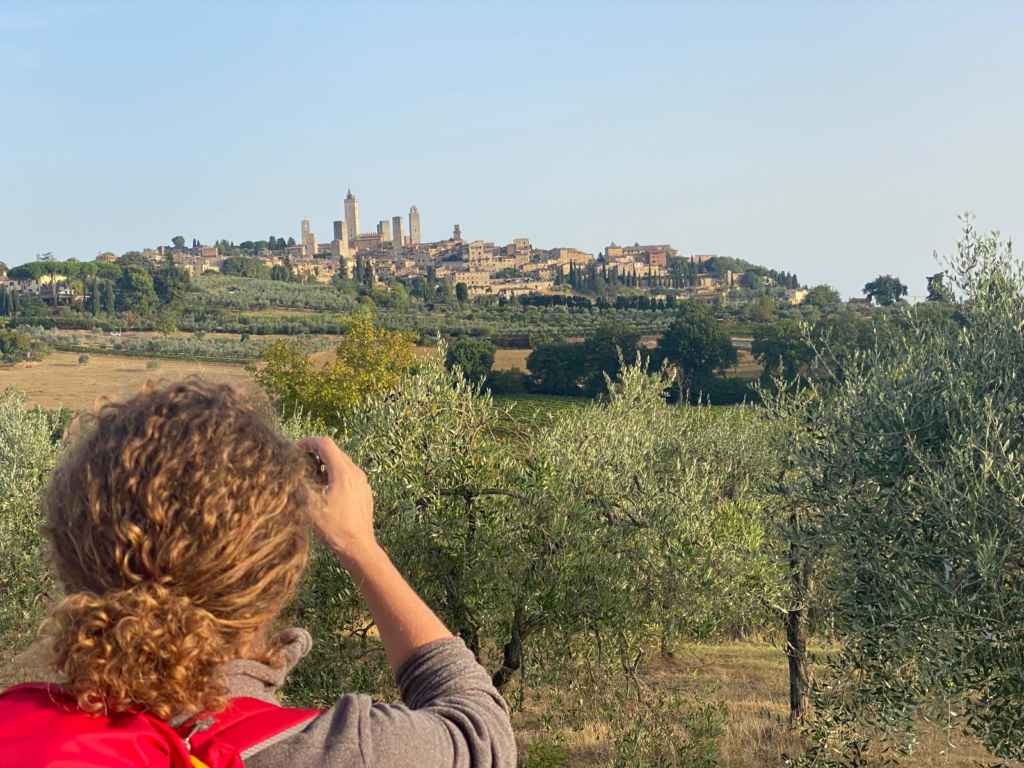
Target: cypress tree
(108,296)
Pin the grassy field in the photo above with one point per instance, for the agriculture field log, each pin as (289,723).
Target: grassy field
(526,410)
(510,359)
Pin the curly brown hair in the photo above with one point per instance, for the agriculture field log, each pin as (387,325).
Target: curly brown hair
(177,523)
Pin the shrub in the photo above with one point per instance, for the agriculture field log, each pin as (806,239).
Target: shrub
(511,382)
(152,365)
(19,345)
(722,390)
(83,359)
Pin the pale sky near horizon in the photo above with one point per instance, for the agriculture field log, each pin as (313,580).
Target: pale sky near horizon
(836,140)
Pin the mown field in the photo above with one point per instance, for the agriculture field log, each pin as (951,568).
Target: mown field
(61,381)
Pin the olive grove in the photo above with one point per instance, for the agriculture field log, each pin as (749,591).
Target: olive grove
(603,530)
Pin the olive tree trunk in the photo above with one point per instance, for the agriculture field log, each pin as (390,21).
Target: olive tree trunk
(796,626)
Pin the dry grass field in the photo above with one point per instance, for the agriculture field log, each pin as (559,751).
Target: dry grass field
(750,680)
(59,380)
(509,359)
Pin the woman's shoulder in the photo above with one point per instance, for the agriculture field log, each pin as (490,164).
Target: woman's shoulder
(256,680)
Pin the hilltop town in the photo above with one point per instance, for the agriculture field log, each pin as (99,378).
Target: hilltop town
(395,251)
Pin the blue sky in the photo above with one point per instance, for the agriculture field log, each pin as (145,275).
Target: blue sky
(836,140)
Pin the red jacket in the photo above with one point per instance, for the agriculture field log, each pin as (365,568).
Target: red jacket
(40,727)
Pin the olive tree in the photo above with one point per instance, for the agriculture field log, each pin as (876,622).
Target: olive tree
(27,454)
(911,488)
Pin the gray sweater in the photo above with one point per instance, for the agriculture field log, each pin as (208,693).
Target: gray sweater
(451,716)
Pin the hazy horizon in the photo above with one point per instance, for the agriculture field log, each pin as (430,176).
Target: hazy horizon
(835,141)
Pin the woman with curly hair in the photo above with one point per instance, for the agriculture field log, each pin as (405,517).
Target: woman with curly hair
(178,521)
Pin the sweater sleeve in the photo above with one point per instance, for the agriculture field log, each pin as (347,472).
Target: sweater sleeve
(451,717)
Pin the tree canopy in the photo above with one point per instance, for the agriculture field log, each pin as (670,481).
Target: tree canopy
(245,266)
(367,360)
(474,356)
(563,368)
(135,291)
(822,296)
(885,290)
(696,344)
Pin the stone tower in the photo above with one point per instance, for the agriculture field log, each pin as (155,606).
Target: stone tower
(308,240)
(352,217)
(396,233)
(414,226)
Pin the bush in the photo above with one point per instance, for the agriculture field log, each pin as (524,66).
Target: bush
(721,390)
(152,365)
(83,359)
(512,382)
(20,345)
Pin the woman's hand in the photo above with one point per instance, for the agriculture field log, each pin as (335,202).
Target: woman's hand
(345,520)
(345,523)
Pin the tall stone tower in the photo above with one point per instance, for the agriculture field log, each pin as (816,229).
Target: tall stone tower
(308,240)
(340,231)
(352,217)
(396,233)
(384,230)
(341,239)
(414,226)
